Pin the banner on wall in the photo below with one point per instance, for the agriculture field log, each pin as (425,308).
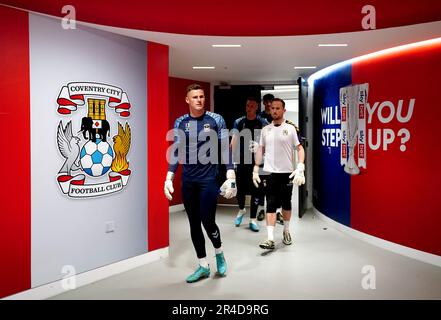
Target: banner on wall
(72,95)
(353,100)
(94,165)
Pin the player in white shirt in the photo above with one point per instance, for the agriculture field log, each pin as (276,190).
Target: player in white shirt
(278,141)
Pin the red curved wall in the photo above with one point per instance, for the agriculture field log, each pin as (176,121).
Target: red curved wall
(397,197)
(157,102)
(15,188)
(242,18)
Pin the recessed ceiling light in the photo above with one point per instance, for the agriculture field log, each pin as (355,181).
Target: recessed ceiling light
(203,67)
(226,45)
(286,87)
(306,67)
(333,45)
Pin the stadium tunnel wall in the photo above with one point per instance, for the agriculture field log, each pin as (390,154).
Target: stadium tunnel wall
(43,230)
(396,197)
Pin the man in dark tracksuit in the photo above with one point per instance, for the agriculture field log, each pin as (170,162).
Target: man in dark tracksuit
(244,145)
(197,137)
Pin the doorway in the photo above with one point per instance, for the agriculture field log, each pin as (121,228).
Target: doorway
(229,101)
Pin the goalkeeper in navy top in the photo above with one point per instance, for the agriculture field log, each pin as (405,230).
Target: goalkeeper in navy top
(244,144)
(197,137)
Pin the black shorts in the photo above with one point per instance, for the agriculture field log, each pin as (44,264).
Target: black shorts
(278,192)
(244,179)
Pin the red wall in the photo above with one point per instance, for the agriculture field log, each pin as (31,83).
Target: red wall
(226,18)
(179,107)
(15,189)
(157,126)
(397,197)
(15,186)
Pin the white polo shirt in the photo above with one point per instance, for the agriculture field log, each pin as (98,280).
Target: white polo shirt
(280,143)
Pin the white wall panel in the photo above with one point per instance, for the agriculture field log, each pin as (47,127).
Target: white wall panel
(66,231)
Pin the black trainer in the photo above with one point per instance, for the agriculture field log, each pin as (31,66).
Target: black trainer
(279,217)
(267,244)
(261,215)
(287,238)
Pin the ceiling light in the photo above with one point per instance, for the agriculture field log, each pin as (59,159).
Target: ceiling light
(203,67)
(306,67)
(226,45)
(333,45)
(286,87)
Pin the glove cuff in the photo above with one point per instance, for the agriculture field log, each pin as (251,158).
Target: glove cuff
(301,166)
(170,176)
(231,174)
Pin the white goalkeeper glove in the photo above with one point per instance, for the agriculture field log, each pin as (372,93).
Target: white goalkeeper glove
(298,174)
(168,185)
(253,147)
(256,178)
(228,188)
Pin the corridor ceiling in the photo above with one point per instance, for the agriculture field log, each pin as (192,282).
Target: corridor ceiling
(275,37)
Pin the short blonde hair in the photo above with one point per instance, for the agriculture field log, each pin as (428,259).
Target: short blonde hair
(194,86)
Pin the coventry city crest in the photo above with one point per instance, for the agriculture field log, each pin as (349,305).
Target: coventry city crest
(95,154)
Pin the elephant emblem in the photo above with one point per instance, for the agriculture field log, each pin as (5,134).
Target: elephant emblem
(94,127)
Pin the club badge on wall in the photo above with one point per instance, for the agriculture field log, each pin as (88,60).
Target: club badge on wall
(94,165)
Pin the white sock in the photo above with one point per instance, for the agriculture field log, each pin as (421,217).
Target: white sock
(203,262)
(253,220)
(218,250)
(241,212)
(270,230)
(285,225)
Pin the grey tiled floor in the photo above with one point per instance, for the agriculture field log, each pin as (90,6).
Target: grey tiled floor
(321,264)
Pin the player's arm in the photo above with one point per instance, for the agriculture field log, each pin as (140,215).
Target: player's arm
(235,137)
(298,173)
(254,145)
(301,153)
(257,161)
(258,157)
(173,160)
(233,144)
(228,188)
